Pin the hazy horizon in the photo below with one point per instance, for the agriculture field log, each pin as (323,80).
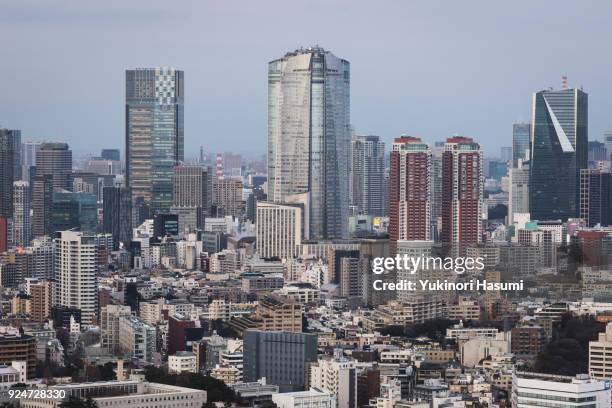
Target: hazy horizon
(428,69)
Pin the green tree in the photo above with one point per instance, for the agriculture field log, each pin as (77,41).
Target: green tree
(568,353)
(75,402)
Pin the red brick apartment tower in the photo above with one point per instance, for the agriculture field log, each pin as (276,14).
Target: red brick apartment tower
(462,193)
(409,190)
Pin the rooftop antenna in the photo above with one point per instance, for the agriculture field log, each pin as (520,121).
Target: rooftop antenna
(564,82)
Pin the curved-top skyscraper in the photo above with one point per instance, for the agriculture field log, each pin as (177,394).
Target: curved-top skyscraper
(309,137)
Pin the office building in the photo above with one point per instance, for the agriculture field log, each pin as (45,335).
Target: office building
(309,136)
(165,224)
(182,362)
(600,355)
(109,325)
(43,253)
(4,234)
(558,153)
(498,170)
(98,165)
(190,219)
(409,190)
(597,151)
(15,346)
(368,175)
(75,273)
(596,197)
(41,297)
(506,154)
(124,394)
(193,188)
(518,195)
(110,154)
(227,197)
(177,327)
(279,229)
(280,357)
(538,390)
(28,158)
(608,144)
(137,339)
(276,312)
(10,145)
(154,140)
(42,205)
(21,213)
(312,398)
(338,376)
(343,269)
(55,159)
(74,211)
(521,140)
(527,341)
(462,192)
(117,215)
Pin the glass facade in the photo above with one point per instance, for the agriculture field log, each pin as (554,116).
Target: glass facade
(74,210)
(521,139)
(558,152)
(154,133)
(309,136)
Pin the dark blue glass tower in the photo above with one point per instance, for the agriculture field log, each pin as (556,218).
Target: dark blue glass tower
(558,153)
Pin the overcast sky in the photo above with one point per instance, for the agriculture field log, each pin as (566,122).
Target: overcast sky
(426,68)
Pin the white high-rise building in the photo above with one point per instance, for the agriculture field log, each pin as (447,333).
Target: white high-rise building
(518,200)
(542,390)
(279,229)
(21,213)
(309,138)
(338,377)
(75,273)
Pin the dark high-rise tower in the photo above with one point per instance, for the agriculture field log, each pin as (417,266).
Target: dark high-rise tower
(10,149)
(368,175)
(55,159)
(42,204)
(558,153)
(596,197)
(154,133)
(117,214)
(110,154)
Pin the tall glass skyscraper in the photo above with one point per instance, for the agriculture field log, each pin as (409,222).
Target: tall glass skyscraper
(558,152)
(521,138)
(309,138)
(154,141)
(368,175)
(10,143)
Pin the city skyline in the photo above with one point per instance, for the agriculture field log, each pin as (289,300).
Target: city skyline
(387,100)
